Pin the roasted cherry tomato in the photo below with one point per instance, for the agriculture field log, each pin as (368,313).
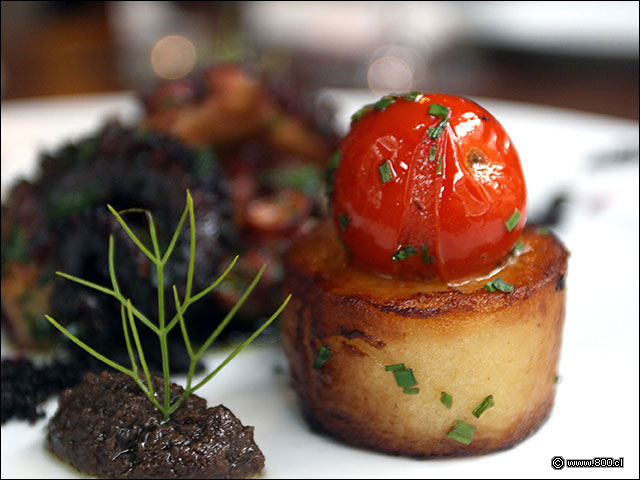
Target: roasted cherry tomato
(427,185)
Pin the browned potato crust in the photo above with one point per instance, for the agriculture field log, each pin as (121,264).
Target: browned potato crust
(460,339)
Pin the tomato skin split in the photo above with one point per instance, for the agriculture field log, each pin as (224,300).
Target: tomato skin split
(424,188)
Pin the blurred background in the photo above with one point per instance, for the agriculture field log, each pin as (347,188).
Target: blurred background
(581,169)
(580,55)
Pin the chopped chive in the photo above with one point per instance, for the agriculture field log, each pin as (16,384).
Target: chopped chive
(384,102)
(435,132)
(486,404)
(518,246)
(462,432)
(343,221)
(439,110)
(332,166)
(322,357)
(361,113)
(386,172)
(542,231)
(513,220)
(424,254)
(557,379)
(405,378)
(432,152)
(459,438)
(503,286)
(394,367)
(412,97)
(404,252)
(464,428)
(499,284)
(446,399)
(439,165)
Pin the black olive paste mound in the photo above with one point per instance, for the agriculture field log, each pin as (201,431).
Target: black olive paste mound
(106,427)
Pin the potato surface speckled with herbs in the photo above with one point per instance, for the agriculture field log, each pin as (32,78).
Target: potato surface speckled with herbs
(347,329)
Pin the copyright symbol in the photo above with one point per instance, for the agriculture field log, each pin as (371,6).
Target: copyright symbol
(557,463)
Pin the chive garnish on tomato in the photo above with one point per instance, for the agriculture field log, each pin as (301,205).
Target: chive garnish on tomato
(486,404)
(412,97)
(386,172)
(499,284)
(446,399)
(343,221)
(435,132)
(424,254)
(439,165)
(438,110)
(332,166)
(322,357)
(441,111)
(462,432)
(361,113)
(513,220)
(384,102)
(404,252)
(432,152)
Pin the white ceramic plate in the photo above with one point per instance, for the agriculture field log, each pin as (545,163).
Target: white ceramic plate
(596,410)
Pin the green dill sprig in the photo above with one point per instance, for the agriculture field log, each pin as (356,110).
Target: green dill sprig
(130,314)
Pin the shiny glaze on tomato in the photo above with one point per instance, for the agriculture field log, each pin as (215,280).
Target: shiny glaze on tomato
(454,201)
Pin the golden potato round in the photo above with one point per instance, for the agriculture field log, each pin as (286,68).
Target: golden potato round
(459,339)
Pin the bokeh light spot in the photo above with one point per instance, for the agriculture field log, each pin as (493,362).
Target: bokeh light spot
(390,74)
(173,57)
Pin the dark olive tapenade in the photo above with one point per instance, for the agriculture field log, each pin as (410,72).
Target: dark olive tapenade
(106,427)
